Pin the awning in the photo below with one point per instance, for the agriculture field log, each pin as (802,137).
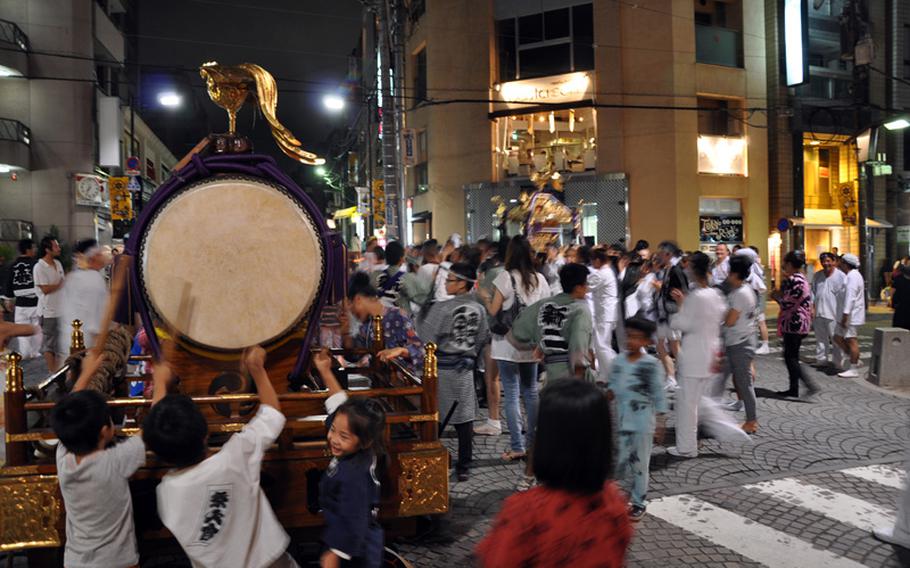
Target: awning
(819,219)
(831,219)
(875,224)
(421,216)
(345,213)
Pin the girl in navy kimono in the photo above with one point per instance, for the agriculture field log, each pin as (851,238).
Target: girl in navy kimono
(349,489)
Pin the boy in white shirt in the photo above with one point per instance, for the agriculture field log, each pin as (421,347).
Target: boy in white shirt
(94,475)
(214,506)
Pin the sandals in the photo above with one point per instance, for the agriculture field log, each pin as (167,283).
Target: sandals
(513,456)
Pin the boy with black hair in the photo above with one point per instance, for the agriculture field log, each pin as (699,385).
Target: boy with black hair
(560,327)
(636,382)
(94,474)
(215,506)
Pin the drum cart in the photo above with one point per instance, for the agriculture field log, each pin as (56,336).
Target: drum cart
(415,479)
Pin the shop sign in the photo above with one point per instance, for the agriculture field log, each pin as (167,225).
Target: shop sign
(363,200)
(566,88)
(408,146)
(378,203)
(121,201)
(721,228)
(903,234)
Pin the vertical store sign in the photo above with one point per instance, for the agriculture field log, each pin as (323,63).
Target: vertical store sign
(121,202)
(408,146)
(378,203)
(796,42)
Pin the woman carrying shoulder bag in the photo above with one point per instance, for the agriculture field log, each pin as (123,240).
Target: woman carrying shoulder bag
(519,282)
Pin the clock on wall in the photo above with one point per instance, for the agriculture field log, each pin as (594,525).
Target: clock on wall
(88,190)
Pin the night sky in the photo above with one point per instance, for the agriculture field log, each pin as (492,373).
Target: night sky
(304,44)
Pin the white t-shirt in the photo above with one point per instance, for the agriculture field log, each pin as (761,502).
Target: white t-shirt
(720,271)
(699,319)
(85,294)
(743,300)
(825,291)
(99,509)
(49,305)
(217,510)
(852,299)
(501,348)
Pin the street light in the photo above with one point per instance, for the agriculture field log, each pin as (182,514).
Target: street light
(169,99)
(334,103)
(897,124)
(320,171)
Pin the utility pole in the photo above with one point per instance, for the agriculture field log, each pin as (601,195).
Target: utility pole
(391,53)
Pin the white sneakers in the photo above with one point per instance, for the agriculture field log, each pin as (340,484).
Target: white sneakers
(488,428)
(671,384)
(763,349)
(850,373)
(674,451)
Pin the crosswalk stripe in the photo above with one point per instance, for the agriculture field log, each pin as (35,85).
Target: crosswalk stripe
(744,536)
(881,474)
(843,508)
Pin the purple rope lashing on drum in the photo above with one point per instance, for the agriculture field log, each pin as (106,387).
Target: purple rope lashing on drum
(254,165)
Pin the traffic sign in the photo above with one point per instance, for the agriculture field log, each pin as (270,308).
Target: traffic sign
(132,166)
(134,185)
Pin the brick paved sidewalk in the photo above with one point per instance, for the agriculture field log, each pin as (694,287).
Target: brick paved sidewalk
(850,423)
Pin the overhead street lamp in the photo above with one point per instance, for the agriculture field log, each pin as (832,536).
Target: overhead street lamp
(333,103)
(897,124)
(170,99)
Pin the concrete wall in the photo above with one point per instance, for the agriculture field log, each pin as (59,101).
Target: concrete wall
(646,57)
(59,114)
(458,36)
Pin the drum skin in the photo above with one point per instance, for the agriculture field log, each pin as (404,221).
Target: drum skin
(247,253)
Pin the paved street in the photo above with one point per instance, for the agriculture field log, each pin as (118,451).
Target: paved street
(818,477)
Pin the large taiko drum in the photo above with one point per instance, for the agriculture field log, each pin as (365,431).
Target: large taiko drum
(250,253)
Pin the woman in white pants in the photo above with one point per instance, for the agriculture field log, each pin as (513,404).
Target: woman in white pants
(700,318)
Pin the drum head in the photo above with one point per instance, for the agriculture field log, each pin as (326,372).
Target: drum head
(250,253)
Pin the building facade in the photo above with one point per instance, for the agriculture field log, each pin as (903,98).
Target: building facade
(836,172)
(63,118)
(653,113)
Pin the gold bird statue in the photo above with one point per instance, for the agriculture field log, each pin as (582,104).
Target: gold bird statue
(229,87)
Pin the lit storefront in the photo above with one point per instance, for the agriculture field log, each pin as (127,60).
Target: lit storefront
(830,186)
(545,122)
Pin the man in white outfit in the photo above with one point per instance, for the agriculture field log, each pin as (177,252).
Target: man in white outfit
(827,284)
(851,313)
(603,296)
(700,317)
(85,292)
(721,265)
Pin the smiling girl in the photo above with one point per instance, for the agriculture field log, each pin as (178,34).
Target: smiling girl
(349,489)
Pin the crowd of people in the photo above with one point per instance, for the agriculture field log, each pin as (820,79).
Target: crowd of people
(583,349)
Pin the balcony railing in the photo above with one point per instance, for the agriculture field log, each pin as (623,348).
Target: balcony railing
(827,84)
(11,33)
(15,131)
(718,46)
